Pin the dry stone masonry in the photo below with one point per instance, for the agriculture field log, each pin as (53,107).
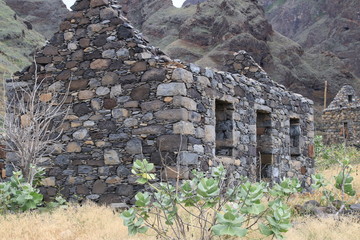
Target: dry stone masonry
(341,119)
(128,101)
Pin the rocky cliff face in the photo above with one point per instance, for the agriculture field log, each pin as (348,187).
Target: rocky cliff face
(327,26)
(209,33)
(192,2)
(43,15)
(17,41)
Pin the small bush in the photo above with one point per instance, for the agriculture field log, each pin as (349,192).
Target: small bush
(217,206)
(16,195)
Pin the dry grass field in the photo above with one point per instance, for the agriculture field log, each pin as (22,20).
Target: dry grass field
(92,222)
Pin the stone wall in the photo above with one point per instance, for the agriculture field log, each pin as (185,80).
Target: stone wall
(341,119)
(130,101)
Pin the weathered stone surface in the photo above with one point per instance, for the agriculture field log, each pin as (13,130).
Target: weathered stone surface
(109,103)
(120,113)
(78,84)
(152,105)
(98,3)
(172,143)
(183,75)
(171,89)
(80,134)
(113,180)
(49,182)
(154,74)
(108,13)
(131,122)
(183,127)
(125,190)
(85,95)
(134,146)
(81,109)
(110,78)
(156,129)
(50,50)
(80,5)
(64,75)
(83,169)
(186,102)
(141,93)
(99,187)
(123,171)
(100,64)
(107,125)
(188,158)
(139,67)
(102,91)
(124,32)
(82,189)
(45,97)
(73,147)
(173,114)
(110,53)
(111,157)
(123,53)
(116,91)
(209,133)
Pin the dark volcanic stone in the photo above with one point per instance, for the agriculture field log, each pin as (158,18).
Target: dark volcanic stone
(124,32)
(62,160)
(43,60)
(139,67)
(83,169)
(64,75)
(78,84)
(172,143)
(109,198)
(107,125)
(81,5)
(154,74)
(100,40)
(141,93)
(123,171)
(110,103)
(81,109)
(82,189)
(99,187)
(96,135)
(125,190)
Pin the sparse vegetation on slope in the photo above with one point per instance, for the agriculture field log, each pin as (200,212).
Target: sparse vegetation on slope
(16,41)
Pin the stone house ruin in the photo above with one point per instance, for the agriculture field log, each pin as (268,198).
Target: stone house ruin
(341,119)
(130,101)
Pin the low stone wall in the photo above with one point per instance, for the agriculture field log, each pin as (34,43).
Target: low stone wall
(130,101)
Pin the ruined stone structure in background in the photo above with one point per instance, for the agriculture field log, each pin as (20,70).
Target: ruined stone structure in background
(341,119)
(130,101)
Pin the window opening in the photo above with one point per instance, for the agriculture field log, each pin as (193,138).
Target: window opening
(264,146)
(350,98)
(224,128)
(295,132)
(346,130)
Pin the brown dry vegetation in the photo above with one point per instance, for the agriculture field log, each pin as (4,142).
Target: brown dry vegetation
(91,222)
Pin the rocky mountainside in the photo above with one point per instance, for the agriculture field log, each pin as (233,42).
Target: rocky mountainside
(43,15)
(325,26)
(210,32)
(192,2)
(17,41)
